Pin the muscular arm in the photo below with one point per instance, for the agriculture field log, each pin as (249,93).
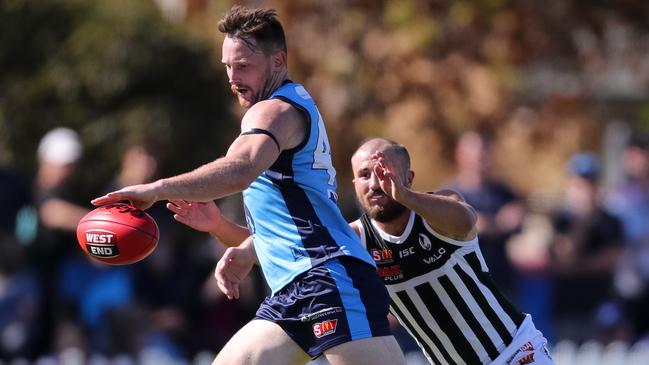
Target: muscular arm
(445,211)
(246,158)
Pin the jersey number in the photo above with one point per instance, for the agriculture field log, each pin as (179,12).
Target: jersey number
(322,153)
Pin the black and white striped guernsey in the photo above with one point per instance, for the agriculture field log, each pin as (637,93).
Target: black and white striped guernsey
(442,293)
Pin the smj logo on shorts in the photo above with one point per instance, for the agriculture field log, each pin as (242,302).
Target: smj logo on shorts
(325,328)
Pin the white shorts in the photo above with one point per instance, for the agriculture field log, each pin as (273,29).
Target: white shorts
(528,347)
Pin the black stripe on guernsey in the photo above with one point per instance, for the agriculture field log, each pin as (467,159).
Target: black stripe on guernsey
(405,299)
(469,316)
(399,314)
(312,233)
(488,310)
(445,321)
(316,239)
(516,316)
(262,131)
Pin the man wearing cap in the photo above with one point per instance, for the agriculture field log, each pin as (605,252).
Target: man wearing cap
(585,249)
(58,154)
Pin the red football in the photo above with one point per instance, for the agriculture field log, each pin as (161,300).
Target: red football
(117,234)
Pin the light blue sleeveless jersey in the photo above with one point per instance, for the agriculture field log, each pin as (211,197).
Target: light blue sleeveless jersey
(291,208)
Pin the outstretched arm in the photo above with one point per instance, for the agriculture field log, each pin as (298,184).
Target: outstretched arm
(246,158)
(207,217)
(446,212)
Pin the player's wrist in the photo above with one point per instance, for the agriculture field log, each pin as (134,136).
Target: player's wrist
(216,227)
(158,188)
(403,195)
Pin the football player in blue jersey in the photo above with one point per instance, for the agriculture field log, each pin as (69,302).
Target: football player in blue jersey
(326,296)
(427,252)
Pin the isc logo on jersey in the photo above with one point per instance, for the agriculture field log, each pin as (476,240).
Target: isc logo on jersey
(322,329)
(100,243)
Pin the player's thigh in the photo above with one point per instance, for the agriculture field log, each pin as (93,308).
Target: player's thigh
(372,350)
(261,342)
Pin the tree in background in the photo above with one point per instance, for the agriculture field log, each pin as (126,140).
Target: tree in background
(115,71)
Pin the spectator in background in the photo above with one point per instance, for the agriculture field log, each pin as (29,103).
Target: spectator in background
(499,210)
(59,152)
(630,202)
(583,254)
(103,296)
(161,281)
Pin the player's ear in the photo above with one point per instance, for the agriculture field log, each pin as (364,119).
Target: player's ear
(410,176)
(279,59)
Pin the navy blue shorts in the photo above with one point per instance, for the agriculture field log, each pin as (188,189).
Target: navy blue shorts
(336,302)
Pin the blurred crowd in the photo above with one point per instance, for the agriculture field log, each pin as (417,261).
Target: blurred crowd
(578,263)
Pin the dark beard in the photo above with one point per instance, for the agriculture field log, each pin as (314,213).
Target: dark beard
(387,213)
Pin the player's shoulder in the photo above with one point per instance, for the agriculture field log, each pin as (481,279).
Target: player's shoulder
(270,112)
(272,108)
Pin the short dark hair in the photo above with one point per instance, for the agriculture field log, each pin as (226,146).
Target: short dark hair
(401,151)
(260,25)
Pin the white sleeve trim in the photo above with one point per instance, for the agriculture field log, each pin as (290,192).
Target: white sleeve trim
(448,239)
(361,230)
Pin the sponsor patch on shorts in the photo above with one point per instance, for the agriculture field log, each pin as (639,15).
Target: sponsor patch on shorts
(527,359)
(325,328)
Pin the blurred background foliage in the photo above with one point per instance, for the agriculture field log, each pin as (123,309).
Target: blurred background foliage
(119,74)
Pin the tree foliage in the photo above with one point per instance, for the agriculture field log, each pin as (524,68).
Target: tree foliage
(117,73)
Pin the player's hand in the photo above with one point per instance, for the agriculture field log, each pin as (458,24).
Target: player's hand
(204,217)
(232,268)
(141,196)
(390,180)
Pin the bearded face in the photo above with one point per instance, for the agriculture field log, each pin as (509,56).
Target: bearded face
(381,208)
(369,194)
(248,71)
